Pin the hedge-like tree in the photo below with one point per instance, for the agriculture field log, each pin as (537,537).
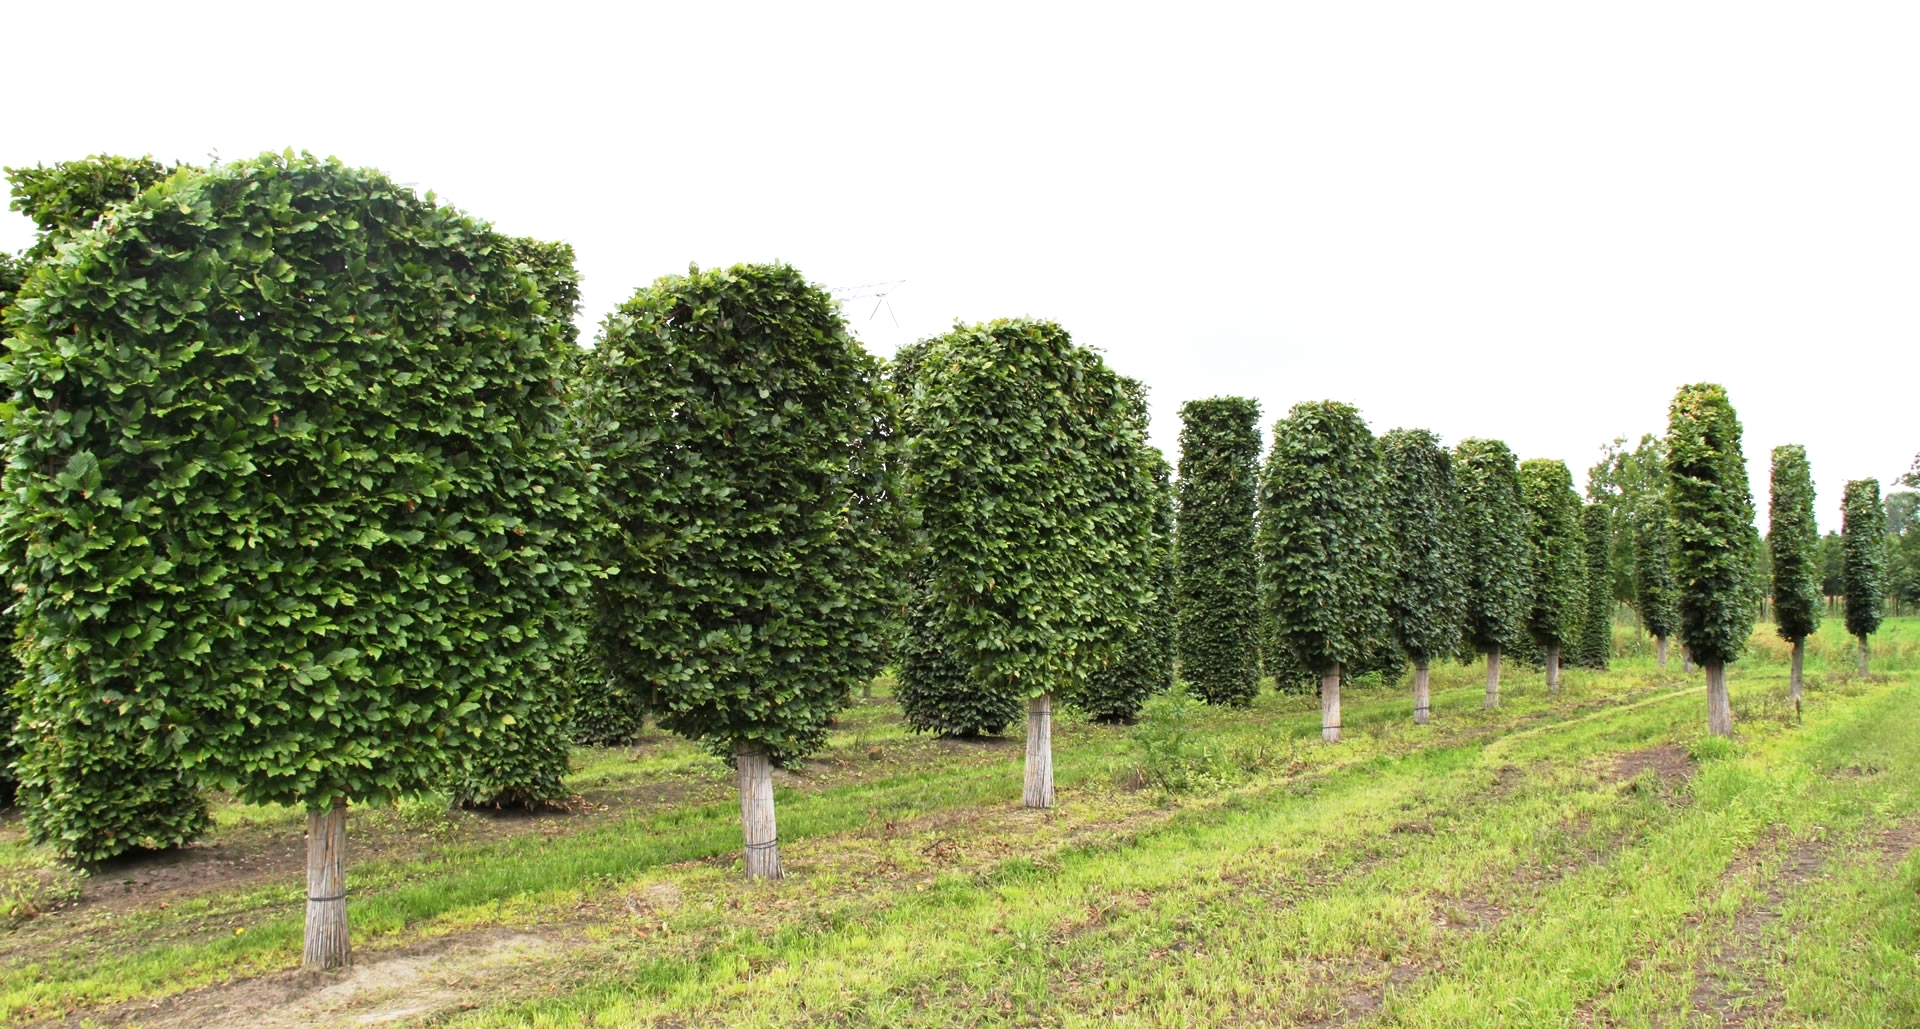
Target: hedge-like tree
(289,495)
(1596,626)
(741,431)
(12,274)
(1498,562)
(1713,537)
(1656,592)
(1558,546)
(1028,465)
(91,789)
(1793,539)
(1428,596)
(1863,530)
(1218,570)
(1326,547)
(1116,692)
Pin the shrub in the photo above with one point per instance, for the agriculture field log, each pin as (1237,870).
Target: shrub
(1217,576)
(1168,751)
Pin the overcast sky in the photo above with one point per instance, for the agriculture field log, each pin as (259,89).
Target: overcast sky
(1529,221)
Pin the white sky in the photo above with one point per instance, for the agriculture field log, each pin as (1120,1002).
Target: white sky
(1530,221)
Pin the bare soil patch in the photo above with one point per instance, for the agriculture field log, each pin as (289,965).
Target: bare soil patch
(1668,761)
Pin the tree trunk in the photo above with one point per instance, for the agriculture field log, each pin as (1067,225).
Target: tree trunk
(1553,667)
(326,940)
(1719,708)
(756,809)
(1793,682)
(1493,679)
(1660,651)
(1863,655)
(1421,700)
(1330,704)
(1686,659)
(1039,792)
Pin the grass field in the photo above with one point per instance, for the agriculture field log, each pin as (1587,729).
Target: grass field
(1580,858)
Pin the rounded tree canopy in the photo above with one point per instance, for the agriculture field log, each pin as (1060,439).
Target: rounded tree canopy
(292,495)
(1027,461)
(1559,545)
(1325,546)
(1793,539)
(1494,531)
(1863,530)
(1713,531)
(1217,569)
(742,435)
(1423,506)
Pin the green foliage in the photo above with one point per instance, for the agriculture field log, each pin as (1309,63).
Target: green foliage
(1626,481)
(1903,511)
(1833,564)
(1428,599)
(1325,546)
(1168,750)
(605,713)
(1596,629)
(937,693)
(1903,567)
(13,273)
(1145,667)
(1499,574)
(740,431)
(1558,604)
(1028,466)
(292,498)
(1713,531)
(1218,570)
(1793,540)
(1863,528)
(1656,592)
(71,196)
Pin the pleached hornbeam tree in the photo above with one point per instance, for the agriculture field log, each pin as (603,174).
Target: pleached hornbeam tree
(1596,627)
(1656,593)
(1793,538)
(1713,537)
(1558,547)
(1863,529)
(1498,563)
(754,542)
(1326,548)
(1217,570)
(1428,597)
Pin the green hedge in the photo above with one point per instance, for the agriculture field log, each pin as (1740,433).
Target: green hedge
(1217,569)
(1712,524)
(1498,569)
(1793,539)
(293,498)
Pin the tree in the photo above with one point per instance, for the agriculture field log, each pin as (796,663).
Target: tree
(1656,592)
(1902,510)
(1713,536)
(1428,598)
(1833,567)
(1217,568)
(1326,548)
(1499,573)
(1596,629)
(311,540)
(1793,539)
(1863,528)
(1558,549)
(1624,481)
(741,434)
(1027,462)
(12,275)
(1116,692)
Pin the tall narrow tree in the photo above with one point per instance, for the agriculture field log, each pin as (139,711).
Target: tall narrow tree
(341,532)
(1863,530)
(1713,537)
(1656,592)
(1028,464)
(1216,568)
(1326,548)
(1498,569)
(1116,692)
(1596,628)
(1558,603)
(1428,598)
(742,434)
(1793,539)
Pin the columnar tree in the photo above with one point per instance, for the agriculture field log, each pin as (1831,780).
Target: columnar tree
(1498,565)
(289,497)
(1428,599)
(1217,577)
(1558,603)
(1656,592)
(1713,537)
(1325,543)
(12,274)
(1863,528)
(741,433)
(1028,464)
(1596,628)
(1793,539)
(1116,692)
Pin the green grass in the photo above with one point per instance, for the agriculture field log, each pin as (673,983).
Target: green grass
(1495,868)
